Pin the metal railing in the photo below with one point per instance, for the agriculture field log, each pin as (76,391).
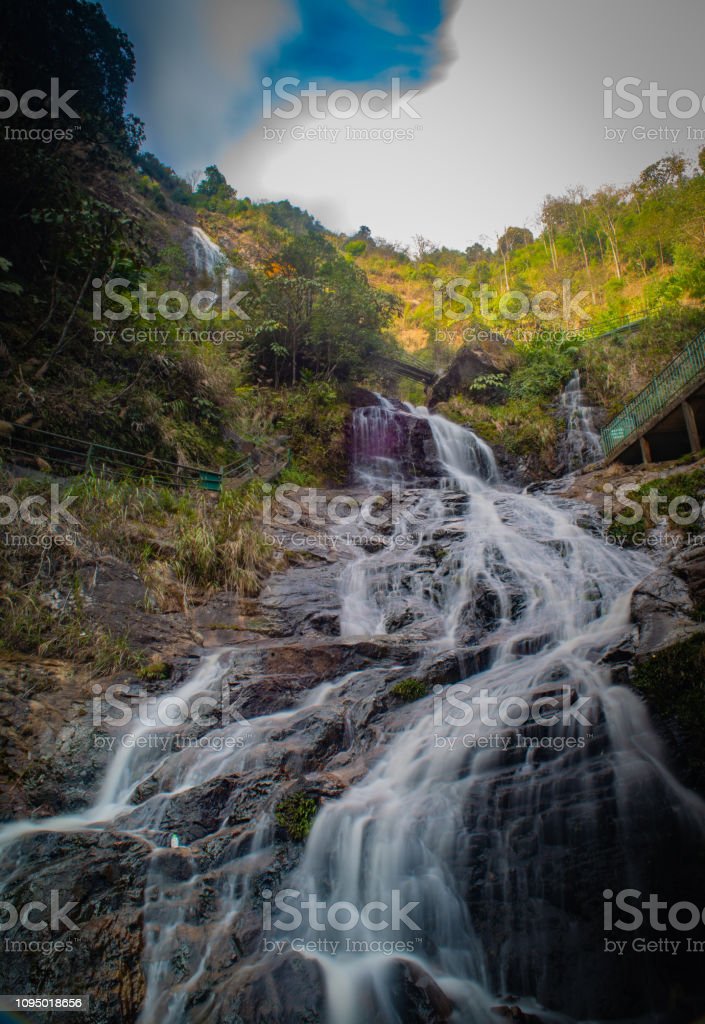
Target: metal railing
(612,326)
(73,456)
(672,380)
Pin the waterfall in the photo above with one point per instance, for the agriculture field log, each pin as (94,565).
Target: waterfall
(465,841)
(209,259)
(582,440)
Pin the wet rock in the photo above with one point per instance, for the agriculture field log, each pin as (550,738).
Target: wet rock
(662,611)
(515,1013)
(689,565)
(104,876)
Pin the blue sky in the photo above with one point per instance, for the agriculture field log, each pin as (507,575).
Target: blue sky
(362,41)
(356,43)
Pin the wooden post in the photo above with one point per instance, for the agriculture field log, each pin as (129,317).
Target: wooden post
(645,449)
(691,426)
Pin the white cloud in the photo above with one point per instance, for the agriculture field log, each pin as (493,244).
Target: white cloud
(518,114)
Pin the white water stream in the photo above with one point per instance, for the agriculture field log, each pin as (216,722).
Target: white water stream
(452,815)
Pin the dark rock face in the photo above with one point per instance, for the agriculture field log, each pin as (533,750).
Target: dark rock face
(662,610)
(689,565)
(469,363)
(97,947)
(386,442)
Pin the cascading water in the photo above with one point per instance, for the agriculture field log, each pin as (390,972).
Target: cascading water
(582,440)
(459,859)
(209,259)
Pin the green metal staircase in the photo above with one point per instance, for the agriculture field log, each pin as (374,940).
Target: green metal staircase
(677,379)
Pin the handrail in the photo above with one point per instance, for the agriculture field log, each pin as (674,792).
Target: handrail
(669,383)
(162,471)
(91,446)
(614,323)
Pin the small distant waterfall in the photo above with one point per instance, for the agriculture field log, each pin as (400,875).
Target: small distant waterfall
(582,440)
(209,259)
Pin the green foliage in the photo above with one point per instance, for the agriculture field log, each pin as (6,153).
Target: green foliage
(72,40)
(671,487)
(295,813)
(164,177)
(214,185)
(155,671)
(312,416)
(317,313)
(355,247)
(409,690)
(291,218)
(525,427)
(484,381)
(544,367)
(617,368)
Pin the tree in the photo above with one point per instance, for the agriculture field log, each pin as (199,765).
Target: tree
(670,170)
(192,178)
(423,247)
(72,41)
(476,252)
(318,314)
(514,238)
(215,185)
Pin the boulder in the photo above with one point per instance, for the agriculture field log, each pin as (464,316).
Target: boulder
(496,356)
